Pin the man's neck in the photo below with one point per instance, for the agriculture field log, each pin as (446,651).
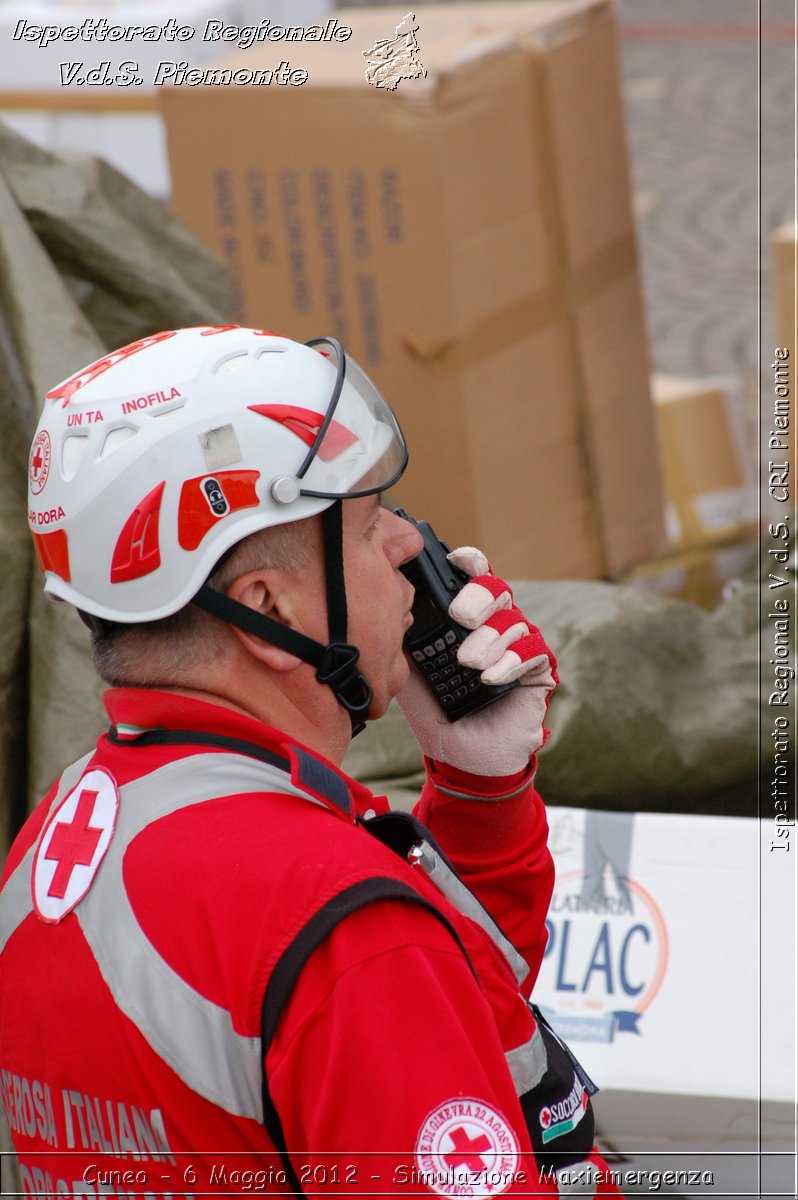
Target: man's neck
(317,722)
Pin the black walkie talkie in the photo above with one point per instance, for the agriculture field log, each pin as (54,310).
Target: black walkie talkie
(434,638)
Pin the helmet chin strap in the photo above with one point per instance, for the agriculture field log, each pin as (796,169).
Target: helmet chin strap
(339,665)
(336,663)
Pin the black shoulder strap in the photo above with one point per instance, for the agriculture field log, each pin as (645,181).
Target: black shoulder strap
(286,972)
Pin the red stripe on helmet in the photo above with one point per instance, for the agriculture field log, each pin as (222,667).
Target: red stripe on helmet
(137,551)
(65,391)
(201,507)
(212,329)
(306,423)
(52,551)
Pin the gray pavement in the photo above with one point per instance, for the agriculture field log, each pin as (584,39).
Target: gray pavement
(700,111)
(697,116)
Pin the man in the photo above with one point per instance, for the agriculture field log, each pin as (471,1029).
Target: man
(225,966)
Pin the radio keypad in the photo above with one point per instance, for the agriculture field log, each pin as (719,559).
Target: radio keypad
(450,681)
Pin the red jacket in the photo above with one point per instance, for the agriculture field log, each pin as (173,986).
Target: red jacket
(144,908)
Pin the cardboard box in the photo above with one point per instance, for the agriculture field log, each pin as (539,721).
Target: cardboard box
(702,575)
(469,237)
(710,492)
(710,480)
(783,248)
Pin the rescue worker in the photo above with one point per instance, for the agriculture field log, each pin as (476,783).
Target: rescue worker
(225,965)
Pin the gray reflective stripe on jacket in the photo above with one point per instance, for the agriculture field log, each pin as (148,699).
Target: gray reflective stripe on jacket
(466,902)
(528,1062)
(191,1034)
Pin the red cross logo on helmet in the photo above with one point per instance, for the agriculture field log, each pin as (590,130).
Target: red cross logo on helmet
(39,466)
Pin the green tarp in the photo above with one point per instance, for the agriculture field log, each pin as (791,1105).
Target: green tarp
(88,262)
(657,710)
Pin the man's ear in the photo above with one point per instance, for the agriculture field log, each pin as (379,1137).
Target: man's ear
(264,591)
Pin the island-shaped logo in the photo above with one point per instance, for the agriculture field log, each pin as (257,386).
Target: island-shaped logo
(390,60)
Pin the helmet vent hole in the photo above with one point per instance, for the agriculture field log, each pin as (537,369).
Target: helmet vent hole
(229,365)
(116,438)
(72,452)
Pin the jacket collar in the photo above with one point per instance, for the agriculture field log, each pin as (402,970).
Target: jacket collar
(145,716)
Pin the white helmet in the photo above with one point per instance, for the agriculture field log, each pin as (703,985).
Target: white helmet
(153,461)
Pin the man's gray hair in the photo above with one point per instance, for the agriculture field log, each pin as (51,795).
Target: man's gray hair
(170,652)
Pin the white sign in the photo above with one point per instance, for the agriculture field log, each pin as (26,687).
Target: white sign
(670,966)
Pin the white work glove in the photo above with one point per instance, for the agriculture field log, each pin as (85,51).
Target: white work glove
(502,738)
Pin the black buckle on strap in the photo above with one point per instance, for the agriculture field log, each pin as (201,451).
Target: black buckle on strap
(338,669)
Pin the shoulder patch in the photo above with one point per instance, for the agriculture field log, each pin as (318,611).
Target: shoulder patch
(73,844)
(467,1148)
(321,780)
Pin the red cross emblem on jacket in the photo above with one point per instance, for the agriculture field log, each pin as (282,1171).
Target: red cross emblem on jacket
(467,1151)
(73,844)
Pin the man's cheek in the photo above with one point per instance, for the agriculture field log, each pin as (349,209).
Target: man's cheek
(401,674)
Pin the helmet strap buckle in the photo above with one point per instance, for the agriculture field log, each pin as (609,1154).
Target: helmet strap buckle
(338,669)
